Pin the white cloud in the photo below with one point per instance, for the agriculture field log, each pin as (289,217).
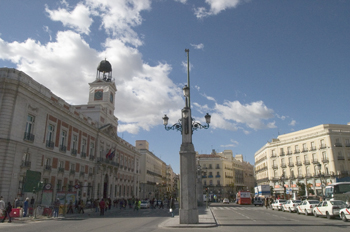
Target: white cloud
(251,114)
(78,19)
(198,46)
(216,6)
(232,144)
(292,123)
(182,1)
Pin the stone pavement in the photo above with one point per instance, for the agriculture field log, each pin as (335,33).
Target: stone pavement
(206,219)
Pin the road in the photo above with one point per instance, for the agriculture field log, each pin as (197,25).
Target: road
(230,217)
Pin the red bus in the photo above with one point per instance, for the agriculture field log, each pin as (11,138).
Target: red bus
(243,198)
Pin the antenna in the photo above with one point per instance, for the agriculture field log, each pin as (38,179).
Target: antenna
(188,76)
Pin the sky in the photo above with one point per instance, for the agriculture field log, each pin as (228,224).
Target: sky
(260,68)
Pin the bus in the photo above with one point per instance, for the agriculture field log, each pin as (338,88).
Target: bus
(243,198)
(338,191)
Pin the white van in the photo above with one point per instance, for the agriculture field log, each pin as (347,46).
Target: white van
(259,201)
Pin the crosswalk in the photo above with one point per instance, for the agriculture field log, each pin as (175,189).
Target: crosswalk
(239,208)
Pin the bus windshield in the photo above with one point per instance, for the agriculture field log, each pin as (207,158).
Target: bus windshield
(338,188)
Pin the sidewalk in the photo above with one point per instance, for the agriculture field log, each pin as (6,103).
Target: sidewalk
(206,219)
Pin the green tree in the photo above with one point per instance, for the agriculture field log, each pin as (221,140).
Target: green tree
(301,189)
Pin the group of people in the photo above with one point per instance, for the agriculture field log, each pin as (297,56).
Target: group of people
(6,209)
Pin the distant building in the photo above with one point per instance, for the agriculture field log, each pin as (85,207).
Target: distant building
(224,175)
(313,157)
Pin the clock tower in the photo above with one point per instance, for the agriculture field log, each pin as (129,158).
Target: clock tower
(102,94)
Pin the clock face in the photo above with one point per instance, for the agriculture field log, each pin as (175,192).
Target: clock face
(98,95)
(111,98)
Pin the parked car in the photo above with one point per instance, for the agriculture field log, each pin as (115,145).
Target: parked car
(345,214)
(278,204)
(226,201)
(145,204)
(291,206)
(306,206)
(258,201)
(329,208)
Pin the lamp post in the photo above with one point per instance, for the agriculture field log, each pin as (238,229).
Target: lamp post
(319,167)
(186,125)
(284,188)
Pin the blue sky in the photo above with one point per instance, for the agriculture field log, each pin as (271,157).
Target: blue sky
(259,67)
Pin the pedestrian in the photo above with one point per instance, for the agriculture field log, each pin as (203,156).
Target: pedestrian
(16,203)
(56,207)
(81,206)
(32,202)
(161,205)
(102,207)
(2,206)
(7,212)
(109,203)
(25,207)
(266,202)
(70,207)
(172,206)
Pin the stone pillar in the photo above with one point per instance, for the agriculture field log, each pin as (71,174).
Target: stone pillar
(188,199)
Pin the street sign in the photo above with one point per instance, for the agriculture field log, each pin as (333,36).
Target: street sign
(76,186)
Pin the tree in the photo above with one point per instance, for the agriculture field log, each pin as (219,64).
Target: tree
(309,189)
(301,189)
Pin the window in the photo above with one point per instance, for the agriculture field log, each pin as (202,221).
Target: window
(63,141)
(59,185)
(275,173)
(306,158)
(290,160)
(324,156)
(304,147)
(323,145)
(313,147)
(297,149)
(26,160)
(300,172)
(289,150)
(72,167)
(50,136)
(314,158)
(83,148)
(47,164)
(28,133)
(74,144)
(282,161)
(92,147)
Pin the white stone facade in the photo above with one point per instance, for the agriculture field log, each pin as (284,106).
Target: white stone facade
(296,158)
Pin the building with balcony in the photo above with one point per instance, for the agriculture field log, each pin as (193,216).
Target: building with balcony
(224,175)
(314,157)
(71,148)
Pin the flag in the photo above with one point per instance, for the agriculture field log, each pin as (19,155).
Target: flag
(109,153)
(111,156)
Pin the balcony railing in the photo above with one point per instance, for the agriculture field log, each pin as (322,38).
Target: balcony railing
(347,145)
(83,155)
(217,176)
(305,150)
(314,161)
(28,137)
(274,166)
(210,176)
(71,172)
(282,154)
(291,164)
(338,145)
(61,170)
(283,165)
(289,153)
(73,152)
(91,157)
(82,173)
(47,167)
(63,148)
(25,164)
(299,163)
(313,148)
(50,144)
(325,160)
(323,146)
(296,151)
(306,162)
(272,155)
(341,158)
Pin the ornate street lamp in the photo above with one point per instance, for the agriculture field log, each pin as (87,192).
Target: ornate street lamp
(186,125)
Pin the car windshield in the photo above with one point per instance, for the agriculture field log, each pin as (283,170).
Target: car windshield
(296,201)
(338,203)
(313,202)
(282,201)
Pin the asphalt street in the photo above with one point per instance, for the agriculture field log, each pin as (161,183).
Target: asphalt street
(229,217)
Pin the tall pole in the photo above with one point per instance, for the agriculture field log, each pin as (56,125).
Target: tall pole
(188,198)
(188,77)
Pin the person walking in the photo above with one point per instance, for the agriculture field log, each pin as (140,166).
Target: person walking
(81,206)
(25,207)
(56,207)
(2,206)
(7,212)
(70,207)
(32,202)
(172,206)
(266,202)
(102,207)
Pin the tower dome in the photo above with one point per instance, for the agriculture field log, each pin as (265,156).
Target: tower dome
(104,71)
